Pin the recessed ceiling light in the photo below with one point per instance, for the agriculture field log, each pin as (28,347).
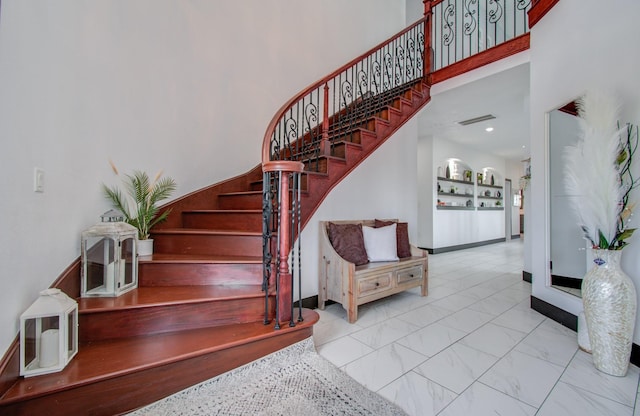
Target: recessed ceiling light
(489,129)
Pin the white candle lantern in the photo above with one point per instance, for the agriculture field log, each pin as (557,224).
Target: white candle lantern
(48,333)
(109,257)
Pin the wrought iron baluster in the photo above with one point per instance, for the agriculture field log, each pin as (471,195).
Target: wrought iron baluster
(298,216)
(462,28)
(278,214)
(267,213)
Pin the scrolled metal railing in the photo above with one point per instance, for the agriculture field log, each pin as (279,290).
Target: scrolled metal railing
(342,99)
(463,28)
(304,129)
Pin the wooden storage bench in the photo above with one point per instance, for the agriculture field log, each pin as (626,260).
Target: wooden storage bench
(351,285)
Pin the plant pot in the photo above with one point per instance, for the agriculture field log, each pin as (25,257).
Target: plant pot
(145,247)
(609,299)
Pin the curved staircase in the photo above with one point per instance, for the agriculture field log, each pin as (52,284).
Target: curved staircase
(200,308)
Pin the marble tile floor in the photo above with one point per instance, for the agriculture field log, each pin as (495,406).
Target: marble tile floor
(473,347)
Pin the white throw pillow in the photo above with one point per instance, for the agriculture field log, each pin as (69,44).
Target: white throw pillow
(381,243)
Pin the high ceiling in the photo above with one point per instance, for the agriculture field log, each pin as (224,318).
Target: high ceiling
(505,95)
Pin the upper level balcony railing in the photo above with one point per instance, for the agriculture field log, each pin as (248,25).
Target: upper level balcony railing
(463,28)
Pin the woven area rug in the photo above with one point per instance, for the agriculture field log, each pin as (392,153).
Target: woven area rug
(293,381)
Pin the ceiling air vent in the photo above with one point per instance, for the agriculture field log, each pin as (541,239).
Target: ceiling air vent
(477,119)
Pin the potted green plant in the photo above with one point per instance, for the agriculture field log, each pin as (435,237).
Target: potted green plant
(139,203)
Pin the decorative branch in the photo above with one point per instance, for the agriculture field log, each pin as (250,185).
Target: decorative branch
(598,172)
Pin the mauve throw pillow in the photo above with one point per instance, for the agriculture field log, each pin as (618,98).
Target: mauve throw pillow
(348,242)
(402,234)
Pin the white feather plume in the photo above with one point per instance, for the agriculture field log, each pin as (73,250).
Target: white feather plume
(591,172)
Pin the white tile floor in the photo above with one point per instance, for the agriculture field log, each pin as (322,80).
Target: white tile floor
(472,347)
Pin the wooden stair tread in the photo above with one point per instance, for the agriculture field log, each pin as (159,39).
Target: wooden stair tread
(199,259)
(224,211)
(241,193)
(323,157)
(199,231)
(348,129)
(101,360)
(144,297)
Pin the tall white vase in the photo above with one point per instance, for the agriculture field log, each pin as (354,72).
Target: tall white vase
(609,299)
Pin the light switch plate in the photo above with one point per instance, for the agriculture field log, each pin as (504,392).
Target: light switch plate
(38,180)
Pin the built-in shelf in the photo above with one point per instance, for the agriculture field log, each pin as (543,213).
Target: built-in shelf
(490,197)
(440,178)
(489,186)
(490,208)
(455,208)
(455,194)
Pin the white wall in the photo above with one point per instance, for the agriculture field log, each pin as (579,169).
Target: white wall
(383,186)
(184,86)
(567,57)
(415,10)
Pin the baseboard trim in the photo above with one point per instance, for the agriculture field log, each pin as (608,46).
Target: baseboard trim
(527,277)
(463,246)
(311,302)
(635,354)
(551,311)
(571,321)
(570,282)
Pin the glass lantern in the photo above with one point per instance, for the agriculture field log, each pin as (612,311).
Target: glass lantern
(109,257)
(48,333)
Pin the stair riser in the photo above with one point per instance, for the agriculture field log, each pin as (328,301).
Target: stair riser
(190,274)
(392,114)
(126,393)
(169,318)
(221,245)
(251,201)
(234,221)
